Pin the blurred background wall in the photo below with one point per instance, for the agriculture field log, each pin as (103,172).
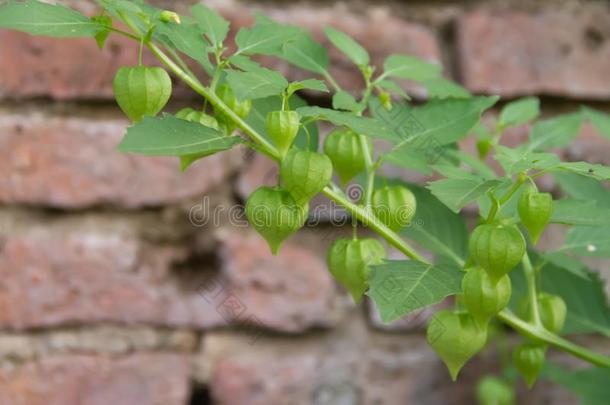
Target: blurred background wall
(119,286)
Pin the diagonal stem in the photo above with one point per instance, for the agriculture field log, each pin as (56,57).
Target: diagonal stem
(364,215)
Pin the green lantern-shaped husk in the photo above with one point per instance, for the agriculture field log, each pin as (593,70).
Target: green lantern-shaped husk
(282,127)
(202,118)
(493,391)
(456,338)
(535,210)
(497,248)
(349,261)
(529,360)
(553,311)
(305,173)
(141,90)
(240,107)
(274,214)
(394,206)
(344,148)
(482,297)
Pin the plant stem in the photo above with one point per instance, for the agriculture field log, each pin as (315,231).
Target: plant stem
(539,333)
(497,204)
(332,81)
(530,278)
(365,216)
(370,167)
(266,147)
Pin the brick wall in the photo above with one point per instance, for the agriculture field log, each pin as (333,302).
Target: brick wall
(123,281)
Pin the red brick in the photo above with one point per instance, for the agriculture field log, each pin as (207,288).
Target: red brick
(378,31)
(562,52)
(347,365)
(143,379)
(53,277)
(60,69)
(73,163)
(290,291)
(76,69)
(100,272)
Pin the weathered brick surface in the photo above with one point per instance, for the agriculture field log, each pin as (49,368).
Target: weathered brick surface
(143,379)
(50,276)
(290,291)
(61,69)
(73,163)
(559,52)
(77,69)
(348,365)
(378,31)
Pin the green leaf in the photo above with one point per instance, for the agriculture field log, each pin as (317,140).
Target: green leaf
(102,35)
(576,212)
(519,112)
(170,136)
(260,108)
(582,290)
(519,160)
(585,297)
(589,385)
(401,287)
(265,38)
(437,228)
(361,125)
(256,83)
(444,88)
(342,100)
(410,67)
(211,23)
(124,6)
(37,18)
(393,87)
(588,241)
(600,120)
(582,188)
(309,84)
(462,188)
(555,132)
(244,62)
(307,54)
(436,123)
(597,172)
(188,39)
(352,49)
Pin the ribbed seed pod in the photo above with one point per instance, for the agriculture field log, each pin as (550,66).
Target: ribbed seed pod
(553,311)
(456,338)
(349,261)
(345,151)
(282,127)
(274,214)
(493,391)
(496,248)
(529,361)
(482,297)
(305,173)
(394,206)
(202,118)
(535,210)
(241,108)
(141,90)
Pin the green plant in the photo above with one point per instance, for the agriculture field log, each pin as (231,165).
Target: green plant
(529,360)
(421,138)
